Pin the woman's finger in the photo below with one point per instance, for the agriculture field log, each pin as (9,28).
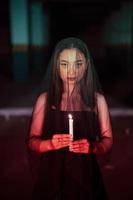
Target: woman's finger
(62,136)
(79,150)
(80,146)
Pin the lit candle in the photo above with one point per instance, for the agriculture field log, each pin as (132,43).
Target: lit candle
(70,125)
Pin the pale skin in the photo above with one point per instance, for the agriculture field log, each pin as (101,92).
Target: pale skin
(72,65)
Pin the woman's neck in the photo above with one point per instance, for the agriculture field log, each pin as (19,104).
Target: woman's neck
(70,88)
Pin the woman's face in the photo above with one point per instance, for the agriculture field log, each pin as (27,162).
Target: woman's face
(72,65)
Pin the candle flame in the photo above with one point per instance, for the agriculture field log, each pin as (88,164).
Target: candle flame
(70,116)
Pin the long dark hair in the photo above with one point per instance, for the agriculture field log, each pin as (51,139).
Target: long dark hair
(89,84)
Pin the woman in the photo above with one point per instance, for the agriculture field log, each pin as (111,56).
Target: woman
(68,166)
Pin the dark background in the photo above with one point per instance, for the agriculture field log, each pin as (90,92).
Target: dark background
(113,62)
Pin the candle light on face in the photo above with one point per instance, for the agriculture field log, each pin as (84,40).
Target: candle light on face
(70,125)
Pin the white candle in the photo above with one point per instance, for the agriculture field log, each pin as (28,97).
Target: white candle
(70,125)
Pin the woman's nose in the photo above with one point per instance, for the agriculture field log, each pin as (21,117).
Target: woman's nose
(71,69)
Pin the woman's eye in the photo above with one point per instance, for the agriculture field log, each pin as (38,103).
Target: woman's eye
(78,65)
(63,65)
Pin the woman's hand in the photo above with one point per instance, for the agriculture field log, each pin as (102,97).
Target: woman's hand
(60,141)
(80,146)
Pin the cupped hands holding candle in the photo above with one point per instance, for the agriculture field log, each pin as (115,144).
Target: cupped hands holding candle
(78,146)
(59,141)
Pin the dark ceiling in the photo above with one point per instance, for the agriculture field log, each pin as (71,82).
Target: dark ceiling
(73,16)
(83,11)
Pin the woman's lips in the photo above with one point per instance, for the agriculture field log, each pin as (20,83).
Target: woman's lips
(71,78)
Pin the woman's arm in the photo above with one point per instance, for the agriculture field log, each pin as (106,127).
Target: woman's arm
(35,141)
(106,142)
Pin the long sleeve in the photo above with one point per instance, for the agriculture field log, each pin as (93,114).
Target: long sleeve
(105,144)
